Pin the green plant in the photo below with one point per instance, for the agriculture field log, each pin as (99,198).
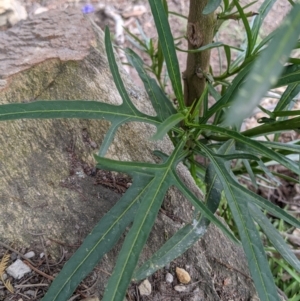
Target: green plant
(285,276)
(196,129)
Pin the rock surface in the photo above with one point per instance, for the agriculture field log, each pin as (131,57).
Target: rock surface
(61,55)
(11,12)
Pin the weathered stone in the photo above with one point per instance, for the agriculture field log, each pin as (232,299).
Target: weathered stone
(11,12)
(183,276)
(18,269)
(145,288)
(169,278)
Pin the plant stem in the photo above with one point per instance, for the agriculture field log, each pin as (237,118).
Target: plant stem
(200,31)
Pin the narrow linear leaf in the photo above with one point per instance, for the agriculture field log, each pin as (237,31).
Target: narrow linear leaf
(211,6)
(250,41)
(141,44)
(259,18)
(250,173)
(228,96)
(274,127)
(238,156)
(274,237)
(261,79)
(227,51)
(255,145)
(50,109)
(252,244)
(140,230)
(115,72)
(265,204)
(103,237)
(287,97)
(167,125)
(291,147)
(290,75)
(204,210)
(168,47)
(109,136)
(159,100)
(134,242)
(184,238)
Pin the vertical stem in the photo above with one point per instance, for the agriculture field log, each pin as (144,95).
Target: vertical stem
(200,31)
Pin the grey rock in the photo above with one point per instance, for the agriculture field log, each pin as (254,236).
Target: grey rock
(29,255)
(11,12)
(169,278)
(18,269)
(145,288)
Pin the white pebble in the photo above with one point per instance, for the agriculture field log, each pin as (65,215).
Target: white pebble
(145,288)
(180,288)
(30,254)
(18,269)
(169,278)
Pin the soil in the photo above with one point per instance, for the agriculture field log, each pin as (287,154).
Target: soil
(33,286)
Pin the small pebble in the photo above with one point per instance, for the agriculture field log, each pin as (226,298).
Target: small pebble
(4,276)
(30,254)
(30,293)
(13,256)
(18,269)
(183,276)
(169,278)
(145,288)
(180,288)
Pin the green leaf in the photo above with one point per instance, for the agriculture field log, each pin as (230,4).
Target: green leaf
(117,115)
(250,41)
(189,234)
(168,48)
(272,59)
(174,247)
(140,44)
(143,221)
(253,247)
(290,75)
(290,147)
(135,240)
(287,97)
(115,72)
(274,127)
(274,237)
(167,125)
(161,176)
(103,237)
(250,173)
(211,6)
(73,109)
(230,93)
(255,145)
(202,208)
(159,100)
(259,18)
(227,51)
(265,204)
